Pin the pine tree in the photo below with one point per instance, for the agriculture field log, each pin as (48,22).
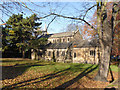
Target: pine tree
(21,32)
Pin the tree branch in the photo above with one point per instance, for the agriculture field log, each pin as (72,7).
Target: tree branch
(24,5)
(74,19)
(7,9)
(4,13)
(89,9)
(45,16)
(50,22)
(35,4)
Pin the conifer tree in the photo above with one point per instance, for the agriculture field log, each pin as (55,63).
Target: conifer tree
(21,32)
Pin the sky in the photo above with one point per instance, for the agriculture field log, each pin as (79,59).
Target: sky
(63,8)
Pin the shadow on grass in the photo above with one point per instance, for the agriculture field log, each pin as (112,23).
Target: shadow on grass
(5,61)
(111,75)
(11,72)
(47,77)
(54,75)
(84,73)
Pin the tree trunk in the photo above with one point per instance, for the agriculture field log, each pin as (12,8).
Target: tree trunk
(23,53)
(106,44)
(104,65)
(105,39)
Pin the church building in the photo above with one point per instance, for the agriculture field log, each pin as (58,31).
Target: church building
(70,47)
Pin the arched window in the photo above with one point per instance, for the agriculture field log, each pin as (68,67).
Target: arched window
(74,55)
(68,39)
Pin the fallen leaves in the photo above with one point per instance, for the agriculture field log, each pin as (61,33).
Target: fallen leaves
(48,76)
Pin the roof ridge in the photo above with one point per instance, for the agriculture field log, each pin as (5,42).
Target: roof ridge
(62,32)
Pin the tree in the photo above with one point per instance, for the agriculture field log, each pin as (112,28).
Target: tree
(4,40)
(87,30)
(105,31)
(20,31)
(105,22)
(10,34)
(38,46)
(116,35)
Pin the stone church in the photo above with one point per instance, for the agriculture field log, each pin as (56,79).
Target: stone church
(70,47)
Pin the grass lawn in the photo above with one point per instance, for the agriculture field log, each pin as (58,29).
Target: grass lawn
(19,73)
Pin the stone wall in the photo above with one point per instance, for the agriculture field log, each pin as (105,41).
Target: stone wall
(85,55)
(57,55)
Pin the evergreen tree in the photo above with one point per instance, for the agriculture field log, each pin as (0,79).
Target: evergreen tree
(20,32)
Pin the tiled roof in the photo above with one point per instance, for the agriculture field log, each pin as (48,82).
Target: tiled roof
(85,43)
(75,44)
(59,35)
(63,34)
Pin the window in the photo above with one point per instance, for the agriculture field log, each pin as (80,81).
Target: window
(68,39)
(49,53)
(74,55)
(58,53)
(63,40)
(63,53)
(92,52)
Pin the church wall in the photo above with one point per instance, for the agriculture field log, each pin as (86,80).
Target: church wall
(60,40)
(85,55)
(56,54)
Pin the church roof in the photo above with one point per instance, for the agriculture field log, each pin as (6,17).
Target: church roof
(62,34)
(85,43)
(75,44)
(59,35)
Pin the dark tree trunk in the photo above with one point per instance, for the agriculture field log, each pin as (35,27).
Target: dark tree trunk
(23,53)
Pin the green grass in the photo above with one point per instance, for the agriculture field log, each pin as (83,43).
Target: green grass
(112,85)
(51,66)
(114,68)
